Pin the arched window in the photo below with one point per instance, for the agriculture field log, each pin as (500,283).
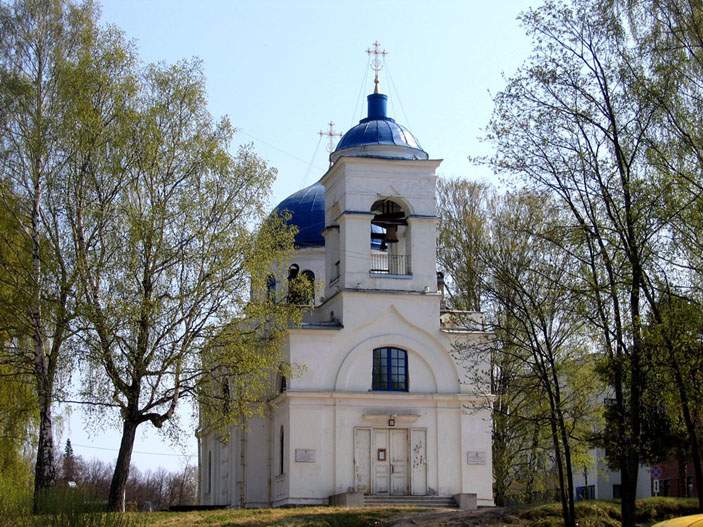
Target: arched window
(308,286)
(301,286)
(390,370)
(280,451)
(283,385)
(293,285)
(271,287)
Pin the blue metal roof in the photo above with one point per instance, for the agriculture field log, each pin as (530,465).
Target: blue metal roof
(307,212)
(378,129)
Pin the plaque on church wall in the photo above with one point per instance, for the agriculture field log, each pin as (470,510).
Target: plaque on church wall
(475,457)
(304,455)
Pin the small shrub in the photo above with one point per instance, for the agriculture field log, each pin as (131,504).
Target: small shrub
(661,508)
(603,521)
(550,521)
(541,511)
(15,501)
(67,507)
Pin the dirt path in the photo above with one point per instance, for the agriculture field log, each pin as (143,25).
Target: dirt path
(451,518)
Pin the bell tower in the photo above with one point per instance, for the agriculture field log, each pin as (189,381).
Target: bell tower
(380,208)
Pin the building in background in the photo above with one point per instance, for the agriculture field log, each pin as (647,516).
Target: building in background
(598,482)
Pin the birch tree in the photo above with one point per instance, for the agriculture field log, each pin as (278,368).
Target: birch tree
(38,40)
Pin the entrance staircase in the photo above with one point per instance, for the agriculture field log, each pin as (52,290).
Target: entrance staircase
(430,502)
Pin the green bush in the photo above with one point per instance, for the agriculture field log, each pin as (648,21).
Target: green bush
(59,507)
(598,509)
(607,513)
(661,508)
(550,521)
(541,511)
(15,501)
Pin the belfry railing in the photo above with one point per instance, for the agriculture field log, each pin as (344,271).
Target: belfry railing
(393,264)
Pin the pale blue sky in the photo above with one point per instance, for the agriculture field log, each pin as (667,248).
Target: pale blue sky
(282,69)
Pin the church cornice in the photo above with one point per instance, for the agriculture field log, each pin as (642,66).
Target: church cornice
(432,163)
(464,398)
(378,291)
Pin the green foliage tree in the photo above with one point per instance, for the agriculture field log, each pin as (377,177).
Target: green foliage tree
(462,231)
(669,38)
(567,124)
(39,41)
(244,364)
(163,224)
(18,409)
(674,334)
(541,374)
(539,325)
(69,467)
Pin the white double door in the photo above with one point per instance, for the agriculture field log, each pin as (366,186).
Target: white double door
(390,461)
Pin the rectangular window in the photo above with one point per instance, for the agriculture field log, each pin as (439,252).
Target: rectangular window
(209,471)
(586,493)
(390,370)
(281,447)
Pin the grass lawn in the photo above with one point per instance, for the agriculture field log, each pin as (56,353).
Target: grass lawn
(590,514)
(602,513)
(294,517)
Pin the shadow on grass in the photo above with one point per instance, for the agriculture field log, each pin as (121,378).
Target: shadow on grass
(350,519)
(294,517)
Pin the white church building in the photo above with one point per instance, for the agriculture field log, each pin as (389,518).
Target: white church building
(386,404)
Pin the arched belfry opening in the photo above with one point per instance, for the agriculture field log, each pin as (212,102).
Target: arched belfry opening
(390,238)
(301,286)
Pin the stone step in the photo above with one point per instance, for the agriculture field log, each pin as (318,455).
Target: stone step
(417,501)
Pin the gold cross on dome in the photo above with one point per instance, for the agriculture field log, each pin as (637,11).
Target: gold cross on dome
(379,56)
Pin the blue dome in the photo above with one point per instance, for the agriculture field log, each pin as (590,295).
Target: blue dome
(307,212)
(379,130)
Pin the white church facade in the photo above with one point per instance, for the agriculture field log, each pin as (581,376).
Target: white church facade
(387,400)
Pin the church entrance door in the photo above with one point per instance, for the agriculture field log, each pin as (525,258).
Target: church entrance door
(390,461)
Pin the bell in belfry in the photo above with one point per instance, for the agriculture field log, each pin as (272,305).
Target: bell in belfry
(392,234)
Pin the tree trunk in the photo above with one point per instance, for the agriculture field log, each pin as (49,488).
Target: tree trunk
(631,456)
(567,461)
(628,488)
(568,519)
(116,499)
(44,471)
(532,465)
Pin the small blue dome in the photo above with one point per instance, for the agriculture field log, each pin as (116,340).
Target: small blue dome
(307,212)
(379,129)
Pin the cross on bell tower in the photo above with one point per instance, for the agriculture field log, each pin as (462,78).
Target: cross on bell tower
(379,55)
